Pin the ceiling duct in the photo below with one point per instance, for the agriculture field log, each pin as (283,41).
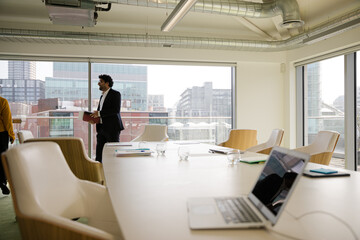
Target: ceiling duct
(332,27)
(288,9)
(71,12)
(74,12)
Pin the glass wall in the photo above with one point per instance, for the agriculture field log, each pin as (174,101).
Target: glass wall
(324,105)
(357,71)
(331,101)
(193,101)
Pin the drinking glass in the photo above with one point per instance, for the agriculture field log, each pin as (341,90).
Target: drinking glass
(183,153)
(161,148)
(233,156)
(142,144)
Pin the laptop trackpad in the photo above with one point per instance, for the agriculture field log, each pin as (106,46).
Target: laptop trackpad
(203,209)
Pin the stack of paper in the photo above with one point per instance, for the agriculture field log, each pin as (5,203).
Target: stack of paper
(133,152)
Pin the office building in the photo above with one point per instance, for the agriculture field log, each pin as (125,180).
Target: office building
(21,84)
(156,102)
(205,101)
(70,82)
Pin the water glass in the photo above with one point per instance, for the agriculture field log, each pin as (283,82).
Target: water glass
(142,144)
(161,148)
(233,156)
(183,153)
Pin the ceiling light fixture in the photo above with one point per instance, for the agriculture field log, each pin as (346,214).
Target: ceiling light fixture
(177,14)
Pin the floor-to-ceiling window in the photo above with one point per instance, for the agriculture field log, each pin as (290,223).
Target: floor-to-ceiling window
(330,102)
(195,102)
(324,107)
(357,72)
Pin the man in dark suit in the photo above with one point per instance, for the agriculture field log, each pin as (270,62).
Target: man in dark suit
(110,126)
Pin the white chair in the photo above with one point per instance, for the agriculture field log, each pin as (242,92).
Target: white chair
(153,133)
(24,135)
(47,195)
(274,140)
(75,154)
(321,150)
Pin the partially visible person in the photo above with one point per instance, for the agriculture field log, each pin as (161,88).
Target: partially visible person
(6,135)
(110,126)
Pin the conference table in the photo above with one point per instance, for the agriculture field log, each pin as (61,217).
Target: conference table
(149,195)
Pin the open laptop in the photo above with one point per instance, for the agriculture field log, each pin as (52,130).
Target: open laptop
(262,205)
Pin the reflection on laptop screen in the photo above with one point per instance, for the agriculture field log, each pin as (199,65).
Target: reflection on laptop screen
(276,179)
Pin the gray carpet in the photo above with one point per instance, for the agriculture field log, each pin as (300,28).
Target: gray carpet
(9,229)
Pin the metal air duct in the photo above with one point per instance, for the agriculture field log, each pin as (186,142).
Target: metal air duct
(338,25)
(289,9)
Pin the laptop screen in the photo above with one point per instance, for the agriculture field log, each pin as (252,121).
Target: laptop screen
(277,180)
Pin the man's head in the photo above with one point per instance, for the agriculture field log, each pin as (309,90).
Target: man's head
(105,82)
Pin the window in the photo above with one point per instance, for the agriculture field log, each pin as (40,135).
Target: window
(330,102)
(324,82)
(194,101)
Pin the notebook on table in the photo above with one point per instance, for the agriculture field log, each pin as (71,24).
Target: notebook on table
(222,150)
(264,204)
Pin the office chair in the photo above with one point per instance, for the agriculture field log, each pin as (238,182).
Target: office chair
(241,139)
(24,135)
(153,133)
(47,196)
(266,147)
(321,150)
(74,152)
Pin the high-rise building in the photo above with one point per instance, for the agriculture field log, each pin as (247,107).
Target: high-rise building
(70,82)
(21,84)
(156,103)
(315,123)
(204,102)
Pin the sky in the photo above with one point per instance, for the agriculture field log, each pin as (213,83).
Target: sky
(332,79)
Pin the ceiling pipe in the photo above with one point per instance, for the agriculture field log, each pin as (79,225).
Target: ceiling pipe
(339,25)
(289,9)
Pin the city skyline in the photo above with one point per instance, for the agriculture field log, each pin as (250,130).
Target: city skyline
(161,78)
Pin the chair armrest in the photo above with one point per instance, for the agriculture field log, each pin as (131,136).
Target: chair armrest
(321,158)
(100,208)
(93,170)
(266,151)
(47,226)
(257,148)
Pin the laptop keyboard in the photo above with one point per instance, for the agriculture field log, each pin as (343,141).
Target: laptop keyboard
(236,210)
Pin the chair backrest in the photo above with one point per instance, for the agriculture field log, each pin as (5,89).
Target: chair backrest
(47,195)
(40,178)
(325,141)
(274,140)
(241,139)
(153,133)
(75,154)
(24,135)
(322,148)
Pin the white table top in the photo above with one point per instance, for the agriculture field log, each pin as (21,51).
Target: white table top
(149,195)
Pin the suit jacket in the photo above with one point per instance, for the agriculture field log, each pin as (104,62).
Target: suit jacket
(110,112)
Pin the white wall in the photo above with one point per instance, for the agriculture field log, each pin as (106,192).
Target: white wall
(260,97)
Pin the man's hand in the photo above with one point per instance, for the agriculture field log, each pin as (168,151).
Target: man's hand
(12,140)
(95,114)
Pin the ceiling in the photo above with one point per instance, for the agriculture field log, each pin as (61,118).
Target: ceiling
(146,21)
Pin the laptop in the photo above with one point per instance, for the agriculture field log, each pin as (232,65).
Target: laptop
(263,205)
